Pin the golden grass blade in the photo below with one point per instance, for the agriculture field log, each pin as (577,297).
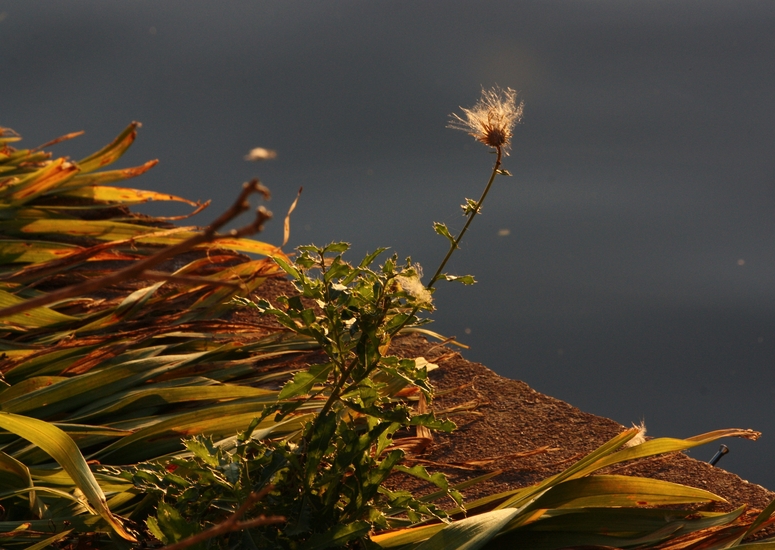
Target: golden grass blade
(164,435)
(63,449)
(103,194)
(613,491)
(75,187)
(26,251)
(287,220)
(112,152)
(666,445)
(55,174)
(470,533)
(33,318)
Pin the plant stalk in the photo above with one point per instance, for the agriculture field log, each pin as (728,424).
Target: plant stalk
(456,242)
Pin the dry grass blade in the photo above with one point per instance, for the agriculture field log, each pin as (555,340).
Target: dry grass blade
(60,139)
(209,235)
(287,221)
(485,462)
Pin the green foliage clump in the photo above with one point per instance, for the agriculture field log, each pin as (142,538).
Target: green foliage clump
(328,478)
(336,467)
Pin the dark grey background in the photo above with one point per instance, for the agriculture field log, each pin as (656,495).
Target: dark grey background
(637,278)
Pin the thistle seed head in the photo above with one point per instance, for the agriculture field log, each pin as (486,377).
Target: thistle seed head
(492,119)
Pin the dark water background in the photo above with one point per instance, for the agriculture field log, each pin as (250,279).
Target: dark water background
(638,274)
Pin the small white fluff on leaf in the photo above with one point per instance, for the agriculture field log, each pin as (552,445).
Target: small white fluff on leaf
(640,437)
(414,287)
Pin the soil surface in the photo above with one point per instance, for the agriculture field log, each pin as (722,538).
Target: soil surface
(503,424)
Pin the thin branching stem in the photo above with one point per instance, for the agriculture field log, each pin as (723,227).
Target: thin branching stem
(344,371)
(456,242)
(474,212)
(334,328)
(336,391)
(232,523)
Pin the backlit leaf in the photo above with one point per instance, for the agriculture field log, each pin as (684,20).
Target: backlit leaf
(62,449)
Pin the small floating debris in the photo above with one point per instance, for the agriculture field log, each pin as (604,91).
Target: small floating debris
(259,153)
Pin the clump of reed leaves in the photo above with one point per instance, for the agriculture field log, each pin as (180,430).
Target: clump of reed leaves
(140,407)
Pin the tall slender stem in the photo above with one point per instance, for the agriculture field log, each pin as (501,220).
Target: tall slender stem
(474,212)
(456,242)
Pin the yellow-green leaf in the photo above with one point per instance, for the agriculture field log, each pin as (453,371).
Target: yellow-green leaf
(26,251)
(111,152)
(108,176)
(48,177)
(613,490)
(34,318)
(64,450)
(122,195)
(470,533)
